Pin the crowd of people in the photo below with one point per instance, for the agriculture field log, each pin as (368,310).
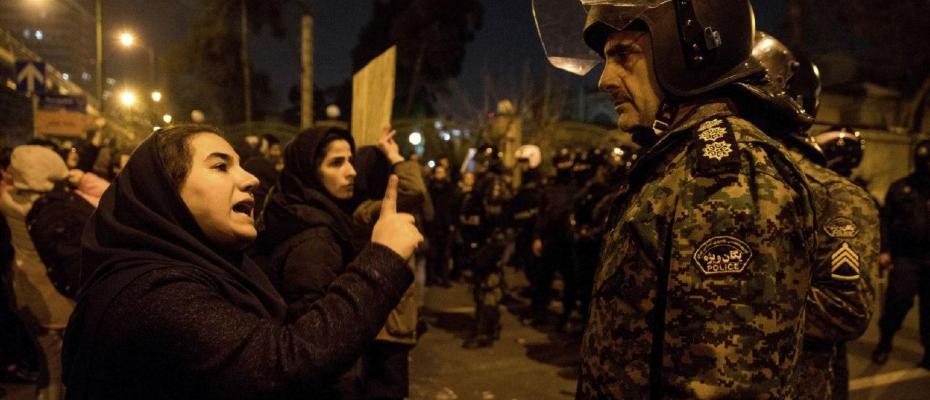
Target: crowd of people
(728,254)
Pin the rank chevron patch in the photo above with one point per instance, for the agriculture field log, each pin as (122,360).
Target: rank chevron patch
(845,266)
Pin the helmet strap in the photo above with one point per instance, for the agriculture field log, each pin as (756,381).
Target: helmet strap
(664,118)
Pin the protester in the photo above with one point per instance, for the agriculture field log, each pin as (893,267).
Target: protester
(18,356)
(36,170)
(442,193)
(171,308)
(386,361)
(306,229)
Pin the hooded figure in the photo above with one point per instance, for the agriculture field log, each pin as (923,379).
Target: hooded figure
(386,362)
(166,312)
(307,231)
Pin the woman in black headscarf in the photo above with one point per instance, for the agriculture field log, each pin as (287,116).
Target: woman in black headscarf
(306,230)
(172,309)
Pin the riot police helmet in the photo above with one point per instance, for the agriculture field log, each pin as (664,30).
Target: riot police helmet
(804,85)
(697,45)
(530,154)
(843,148)
(563,159)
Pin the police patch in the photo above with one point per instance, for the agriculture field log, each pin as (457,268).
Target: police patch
(722,255)
(841,228)
(845,264)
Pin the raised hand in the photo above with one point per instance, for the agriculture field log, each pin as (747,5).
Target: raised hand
(394,230)
(389,146)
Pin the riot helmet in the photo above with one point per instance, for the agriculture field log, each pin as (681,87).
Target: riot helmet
(586,163)
(771,91)
(563,159)
(804,86)
(698,45)
(843,148)
(487,159)
(529,155)
(770,106)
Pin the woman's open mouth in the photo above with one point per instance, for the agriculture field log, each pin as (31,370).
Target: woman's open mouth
(244,207)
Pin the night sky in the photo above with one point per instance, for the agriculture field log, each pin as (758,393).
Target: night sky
(504,45)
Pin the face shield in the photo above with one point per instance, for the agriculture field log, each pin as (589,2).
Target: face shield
(565,27)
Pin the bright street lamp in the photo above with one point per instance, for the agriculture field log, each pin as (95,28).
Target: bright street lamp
(127,98)
(127,39)
(415,138)
(156,96)
(167,118)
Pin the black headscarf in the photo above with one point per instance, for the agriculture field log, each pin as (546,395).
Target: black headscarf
(142,225)
(299,200)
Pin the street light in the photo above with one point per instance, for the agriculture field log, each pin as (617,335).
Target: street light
(156,96)
(127,39)
(167,118)
(415,138)
(127,98)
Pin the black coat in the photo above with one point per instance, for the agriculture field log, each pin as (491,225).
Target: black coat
(906,217)
(163,315)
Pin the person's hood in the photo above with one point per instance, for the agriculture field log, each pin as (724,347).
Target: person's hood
(299,201)
(143,225)
(36,168)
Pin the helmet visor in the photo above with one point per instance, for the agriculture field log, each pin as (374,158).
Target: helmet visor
(561,24)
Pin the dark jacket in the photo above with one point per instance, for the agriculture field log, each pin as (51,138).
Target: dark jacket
(163,315)
(906,219)
(553,224)
(308,235)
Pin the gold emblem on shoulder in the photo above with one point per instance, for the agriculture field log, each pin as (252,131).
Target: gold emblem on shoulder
(717,150)
(712,134)
(710,124)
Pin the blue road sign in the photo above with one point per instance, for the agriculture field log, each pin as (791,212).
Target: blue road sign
(30,76)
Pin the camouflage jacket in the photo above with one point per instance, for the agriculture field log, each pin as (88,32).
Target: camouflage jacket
(709,248)
(842,296)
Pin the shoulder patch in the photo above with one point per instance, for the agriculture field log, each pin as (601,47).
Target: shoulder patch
(716,146)
(845,264)
(841,228)
(722,255)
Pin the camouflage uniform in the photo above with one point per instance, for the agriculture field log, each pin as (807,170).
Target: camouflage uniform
(714,235)
(487,269)
(841,300)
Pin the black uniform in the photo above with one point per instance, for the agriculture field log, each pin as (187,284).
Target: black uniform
(906,236)
(523,212)
(554,230)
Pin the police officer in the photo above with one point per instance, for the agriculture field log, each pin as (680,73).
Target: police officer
(524,209)
(906,243)
(704,273)
(484,209)
(587,227)
(840,303)
(553,240)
